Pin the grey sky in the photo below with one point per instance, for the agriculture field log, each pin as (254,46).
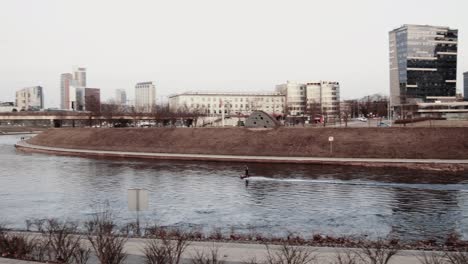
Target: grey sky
(245,45)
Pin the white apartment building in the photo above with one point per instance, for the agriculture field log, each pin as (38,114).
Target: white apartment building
(145,96)
(300,97)
(30,98)
(325,95)
(295,97)
(211,103)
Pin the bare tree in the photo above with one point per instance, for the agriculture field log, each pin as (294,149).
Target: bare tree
(210,257)
(109,111)
(107,245)
(289,254)
(64,243)
(432,258)
(166,249)
(377,252)
(346,257)
(457,257)
(313,110)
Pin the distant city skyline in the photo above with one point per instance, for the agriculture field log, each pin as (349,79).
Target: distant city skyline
(205,46)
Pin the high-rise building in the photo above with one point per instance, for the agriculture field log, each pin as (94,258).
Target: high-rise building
(465,86)
(423,63)
(120,97)
(145,96)
(65,82)
(30,98)
(79,75)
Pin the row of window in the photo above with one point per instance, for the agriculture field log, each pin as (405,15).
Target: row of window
(214,99)
(231,106)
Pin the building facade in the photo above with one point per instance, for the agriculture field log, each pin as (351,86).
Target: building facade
(30,98)
(79,76)
(323,98)
(423,62)
(120,97)
(231,103)
(70,84)
(145,96)
(465,86)
(92,99)
(313,98)
(295,94)
(66,80)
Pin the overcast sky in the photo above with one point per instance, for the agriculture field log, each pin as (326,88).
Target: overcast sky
(238,45)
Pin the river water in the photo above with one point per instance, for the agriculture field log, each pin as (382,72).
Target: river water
(207,195)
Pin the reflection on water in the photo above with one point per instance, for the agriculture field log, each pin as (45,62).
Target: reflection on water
(279,198)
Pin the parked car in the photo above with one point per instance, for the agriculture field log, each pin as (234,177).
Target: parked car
(362,119)
(383,124)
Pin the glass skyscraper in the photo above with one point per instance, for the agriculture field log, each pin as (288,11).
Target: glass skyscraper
(423,63)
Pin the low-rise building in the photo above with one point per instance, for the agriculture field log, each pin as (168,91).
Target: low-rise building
(30,98)
(211,103)
(8,107)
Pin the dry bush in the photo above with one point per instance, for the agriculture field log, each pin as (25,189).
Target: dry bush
(64,243)
(288,254)
(346,257)
(377,252)
(16,246)
(166,249)
(457,257)
(432,258)
(107,245)
(211,257)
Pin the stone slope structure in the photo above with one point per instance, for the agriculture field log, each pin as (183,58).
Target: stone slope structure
(409,143)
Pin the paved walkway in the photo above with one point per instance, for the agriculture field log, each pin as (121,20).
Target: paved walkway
(236,253)
(267,159)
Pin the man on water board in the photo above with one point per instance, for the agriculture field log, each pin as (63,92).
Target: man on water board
(246,173)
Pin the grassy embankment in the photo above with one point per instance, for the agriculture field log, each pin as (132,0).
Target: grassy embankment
(411,143)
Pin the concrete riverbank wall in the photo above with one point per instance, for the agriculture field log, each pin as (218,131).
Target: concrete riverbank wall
(395,143)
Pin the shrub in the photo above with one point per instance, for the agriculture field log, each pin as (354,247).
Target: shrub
(107,245)
(210,257)
(167,249)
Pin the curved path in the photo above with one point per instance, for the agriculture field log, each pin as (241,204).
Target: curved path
(437,164)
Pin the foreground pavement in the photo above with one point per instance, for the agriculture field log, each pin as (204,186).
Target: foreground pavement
(235,253)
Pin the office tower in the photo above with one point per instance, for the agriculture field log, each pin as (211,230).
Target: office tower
(145,95)
(30,98)
(79,75)
(65,82)
(423,64)
(120,97)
